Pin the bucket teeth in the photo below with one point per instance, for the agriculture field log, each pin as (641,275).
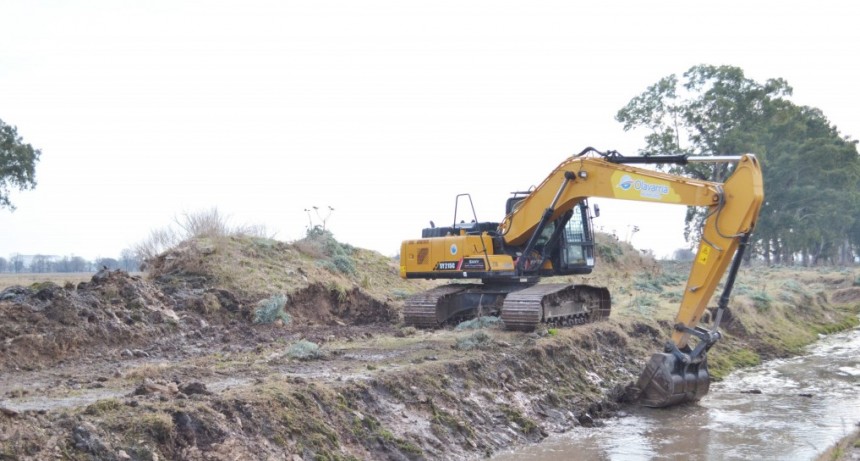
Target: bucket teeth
(668,381)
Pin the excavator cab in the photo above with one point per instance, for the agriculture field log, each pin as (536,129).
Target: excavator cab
(576,249)
(568,241)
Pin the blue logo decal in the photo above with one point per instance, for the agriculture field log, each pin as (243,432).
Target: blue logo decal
(626,182)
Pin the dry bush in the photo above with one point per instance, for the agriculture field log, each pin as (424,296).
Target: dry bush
(158,241)
(202,224)
(209,223)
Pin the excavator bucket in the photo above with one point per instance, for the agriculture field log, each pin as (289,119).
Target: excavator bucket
(668,380)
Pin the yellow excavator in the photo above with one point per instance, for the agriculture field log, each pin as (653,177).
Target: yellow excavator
(548,231)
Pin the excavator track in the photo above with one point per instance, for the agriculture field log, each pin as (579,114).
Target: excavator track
(555,303)
(421,310)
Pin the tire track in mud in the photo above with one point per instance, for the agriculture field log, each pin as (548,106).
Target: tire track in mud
(71,385)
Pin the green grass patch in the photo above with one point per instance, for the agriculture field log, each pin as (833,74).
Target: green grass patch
(761,300)
(847,323)
(526,425)
(721,362)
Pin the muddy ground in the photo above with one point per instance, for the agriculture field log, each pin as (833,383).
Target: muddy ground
(182,365)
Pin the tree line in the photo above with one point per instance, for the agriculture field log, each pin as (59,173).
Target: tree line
(17,263)
(811,213)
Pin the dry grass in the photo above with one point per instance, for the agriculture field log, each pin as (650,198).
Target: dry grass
(198,225)
(60,278)
(147,370)
(257,268)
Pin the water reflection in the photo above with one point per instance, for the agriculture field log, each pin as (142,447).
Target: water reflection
(806,404)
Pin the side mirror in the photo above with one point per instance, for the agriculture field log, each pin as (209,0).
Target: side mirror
(596,211)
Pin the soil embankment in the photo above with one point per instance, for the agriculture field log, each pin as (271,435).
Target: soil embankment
(247,348)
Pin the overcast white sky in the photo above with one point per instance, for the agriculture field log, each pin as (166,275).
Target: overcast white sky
(384,110)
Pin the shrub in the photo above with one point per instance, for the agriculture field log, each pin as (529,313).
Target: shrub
(272,309)
(761,300)
(477,340)
(608,252)
(647,285)
(304,350)
(334,256)
(344,264)
(480,322)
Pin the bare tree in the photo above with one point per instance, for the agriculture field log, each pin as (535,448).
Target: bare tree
(17,263)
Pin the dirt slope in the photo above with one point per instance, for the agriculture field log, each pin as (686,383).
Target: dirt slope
(245,348)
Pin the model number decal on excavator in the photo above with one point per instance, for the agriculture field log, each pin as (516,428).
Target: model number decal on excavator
(446,265)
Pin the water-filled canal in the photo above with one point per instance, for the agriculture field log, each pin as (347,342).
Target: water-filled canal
(806,404)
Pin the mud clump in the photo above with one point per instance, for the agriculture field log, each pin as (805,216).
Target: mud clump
(322,305)
(46,323)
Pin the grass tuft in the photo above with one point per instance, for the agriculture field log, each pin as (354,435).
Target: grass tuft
(481,322)
(477,340)
(271,309)
(305,350)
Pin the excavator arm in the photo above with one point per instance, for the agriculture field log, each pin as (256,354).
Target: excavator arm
(680,373)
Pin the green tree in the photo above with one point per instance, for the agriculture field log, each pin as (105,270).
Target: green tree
(811,172)
(812,182)
(17,163)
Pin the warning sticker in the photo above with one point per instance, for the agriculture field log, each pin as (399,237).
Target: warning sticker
(704,252)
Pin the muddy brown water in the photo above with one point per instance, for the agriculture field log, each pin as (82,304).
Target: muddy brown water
(806,404)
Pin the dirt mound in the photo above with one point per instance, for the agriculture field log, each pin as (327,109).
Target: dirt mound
(846,296)
(318,304)
(326,282)
(203,287)
(47,323)
(613,253)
